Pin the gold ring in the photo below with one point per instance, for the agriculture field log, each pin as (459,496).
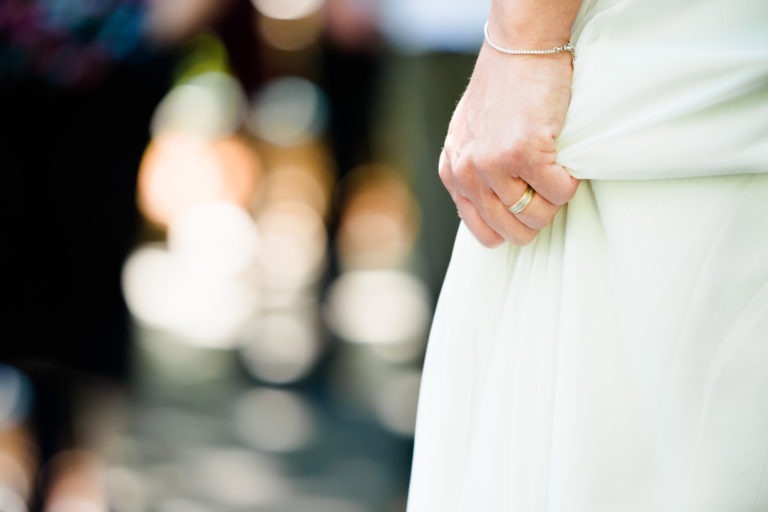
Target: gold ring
(523,202)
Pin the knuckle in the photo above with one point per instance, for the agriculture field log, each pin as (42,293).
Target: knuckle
(517,153)
(489,162)
(485,208)
(464,172)
(450,142)
(542,137)
(443,159)
(444,172)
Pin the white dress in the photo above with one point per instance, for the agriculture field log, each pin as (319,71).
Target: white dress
(619,363)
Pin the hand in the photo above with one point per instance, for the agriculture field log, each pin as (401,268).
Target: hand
(502,138)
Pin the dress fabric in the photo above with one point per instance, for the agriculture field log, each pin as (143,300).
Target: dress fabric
(619,363)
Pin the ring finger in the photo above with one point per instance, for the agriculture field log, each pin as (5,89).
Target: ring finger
(537,213)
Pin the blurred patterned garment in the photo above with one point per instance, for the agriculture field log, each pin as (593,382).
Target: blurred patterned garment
(69,43)
(620,361)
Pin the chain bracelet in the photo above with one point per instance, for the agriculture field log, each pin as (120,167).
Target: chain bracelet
(567,47)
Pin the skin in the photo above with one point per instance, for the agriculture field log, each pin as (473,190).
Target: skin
(502,135)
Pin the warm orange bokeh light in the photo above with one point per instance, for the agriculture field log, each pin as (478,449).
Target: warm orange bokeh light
(379,219)
(180,171)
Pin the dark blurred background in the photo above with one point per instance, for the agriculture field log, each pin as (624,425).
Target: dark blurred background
(223,236)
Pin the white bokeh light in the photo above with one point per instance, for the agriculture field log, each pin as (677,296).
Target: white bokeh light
(287,9)
(178,172)
(293,249)
(161,292)
(209,105)
(378,306)
(150,283)
(282,347)
(211,313)
(215,239)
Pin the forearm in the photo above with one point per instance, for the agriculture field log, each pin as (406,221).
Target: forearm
(534,24)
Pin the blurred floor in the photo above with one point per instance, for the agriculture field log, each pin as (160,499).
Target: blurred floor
(201,434)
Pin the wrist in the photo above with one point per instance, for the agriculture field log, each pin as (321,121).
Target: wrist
(552,74)
(532,23)
(518,35)
(568,47)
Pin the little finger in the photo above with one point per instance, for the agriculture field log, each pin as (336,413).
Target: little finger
(477,226)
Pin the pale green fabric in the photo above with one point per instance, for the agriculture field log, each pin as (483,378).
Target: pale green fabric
(619,363)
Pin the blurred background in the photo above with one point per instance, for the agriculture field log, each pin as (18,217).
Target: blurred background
(223,236)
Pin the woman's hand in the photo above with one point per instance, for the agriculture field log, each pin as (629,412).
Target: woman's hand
(502,139)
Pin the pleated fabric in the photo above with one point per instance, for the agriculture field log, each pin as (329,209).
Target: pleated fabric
(619,363)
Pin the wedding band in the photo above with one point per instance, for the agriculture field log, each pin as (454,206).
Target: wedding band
(523,202)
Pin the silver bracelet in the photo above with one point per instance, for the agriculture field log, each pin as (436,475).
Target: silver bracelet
(567,47)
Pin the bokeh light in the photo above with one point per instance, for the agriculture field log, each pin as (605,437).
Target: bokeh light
(149,281)
(288,111)
(209,105)
(241,168)
(291,35)
(76,483)
(299,184)
(287,9)
(234,477)
(379,219)
(181,171)
(15,396)
(18,461)
(177,173)
(293,249)
(172,21)
(211,313)
(163,293)
(378,307)
(215,239)
(12,503)
(274,420)
(282,346)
